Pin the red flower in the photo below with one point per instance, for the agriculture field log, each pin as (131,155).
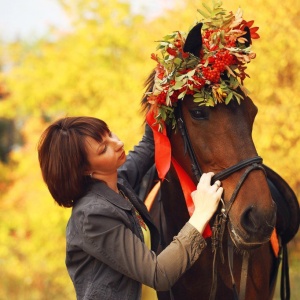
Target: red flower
(160,71)
(171,51)
(174,96)
(253,30)
(185,54)
(154,57)
(161,98)
(160,76)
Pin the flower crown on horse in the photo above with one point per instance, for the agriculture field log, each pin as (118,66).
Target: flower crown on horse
(209,63)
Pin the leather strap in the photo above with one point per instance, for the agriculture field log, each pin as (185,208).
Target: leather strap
(285,278)
(194,162)
(230,264)
(240,165)
(188,147)
(244,274)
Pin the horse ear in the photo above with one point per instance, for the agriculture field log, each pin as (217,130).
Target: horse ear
(193,43)
(247,36)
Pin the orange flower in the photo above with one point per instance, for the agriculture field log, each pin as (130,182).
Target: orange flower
(253,30)
(154,57)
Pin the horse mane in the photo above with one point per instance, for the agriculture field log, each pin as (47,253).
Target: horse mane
(148,85)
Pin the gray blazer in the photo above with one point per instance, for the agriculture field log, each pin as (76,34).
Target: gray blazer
(106,257)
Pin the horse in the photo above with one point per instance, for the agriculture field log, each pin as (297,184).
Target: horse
(239,261)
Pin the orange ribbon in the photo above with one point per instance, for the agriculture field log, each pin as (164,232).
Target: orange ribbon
(188,187)
(162,146)
(275,243)
(163,162)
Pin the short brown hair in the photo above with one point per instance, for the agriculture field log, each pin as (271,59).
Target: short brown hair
(63,158)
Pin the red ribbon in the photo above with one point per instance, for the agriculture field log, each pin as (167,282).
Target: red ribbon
(162,146)
(188,187)
(163,162)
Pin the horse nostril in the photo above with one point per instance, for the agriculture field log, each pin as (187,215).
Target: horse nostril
(256,223)
(250,220)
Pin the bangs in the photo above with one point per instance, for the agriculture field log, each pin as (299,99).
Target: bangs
(95,129)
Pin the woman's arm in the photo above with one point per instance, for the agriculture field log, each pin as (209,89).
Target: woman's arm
(108,239)
(139,160)
(106,235)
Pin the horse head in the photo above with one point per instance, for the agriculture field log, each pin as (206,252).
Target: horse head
(219,129)
(221,137)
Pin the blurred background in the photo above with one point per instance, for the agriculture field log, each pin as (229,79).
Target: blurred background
(91,57)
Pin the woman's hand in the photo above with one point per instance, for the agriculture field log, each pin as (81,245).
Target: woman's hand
(206,199)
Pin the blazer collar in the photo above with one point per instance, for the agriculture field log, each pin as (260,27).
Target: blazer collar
(100,188)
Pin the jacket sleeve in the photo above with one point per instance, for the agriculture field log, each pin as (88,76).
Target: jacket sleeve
(107,238)
(139,160)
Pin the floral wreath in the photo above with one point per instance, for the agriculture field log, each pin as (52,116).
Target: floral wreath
(208,63)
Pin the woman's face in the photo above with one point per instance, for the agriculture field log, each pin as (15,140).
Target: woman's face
(106,157)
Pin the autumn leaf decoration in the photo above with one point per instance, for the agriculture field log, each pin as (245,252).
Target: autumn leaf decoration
(211,73)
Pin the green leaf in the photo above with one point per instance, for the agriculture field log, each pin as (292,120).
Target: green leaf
(178,85)
(238,100)
(169,36)
(203,13)
(199,95)
(210,102)
(181,77)
(207,7)
(228,98)
(178,61)
(181,95)
(162,113)
(191,73)
(199,99)
(216,3)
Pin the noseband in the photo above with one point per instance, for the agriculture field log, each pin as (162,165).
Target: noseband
(221,218)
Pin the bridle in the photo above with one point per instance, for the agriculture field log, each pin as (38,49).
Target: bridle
(221,219)
(197,172)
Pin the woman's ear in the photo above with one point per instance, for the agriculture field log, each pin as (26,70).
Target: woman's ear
(87,172)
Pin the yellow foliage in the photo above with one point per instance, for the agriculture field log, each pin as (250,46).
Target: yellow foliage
(99,69)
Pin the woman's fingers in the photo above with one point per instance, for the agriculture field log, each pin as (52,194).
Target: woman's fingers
(205,181)
(207,191)
(216,185)
(205,178)
(206,199)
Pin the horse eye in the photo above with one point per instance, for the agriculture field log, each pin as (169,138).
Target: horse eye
(199,114)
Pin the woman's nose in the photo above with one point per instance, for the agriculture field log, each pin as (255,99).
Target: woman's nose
(118,145)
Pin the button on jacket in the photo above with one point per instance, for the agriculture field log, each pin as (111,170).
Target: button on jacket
(106,257)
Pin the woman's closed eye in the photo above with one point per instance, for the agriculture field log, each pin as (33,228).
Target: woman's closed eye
(103,150)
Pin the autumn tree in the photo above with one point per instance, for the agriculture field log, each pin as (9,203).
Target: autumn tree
(98,69)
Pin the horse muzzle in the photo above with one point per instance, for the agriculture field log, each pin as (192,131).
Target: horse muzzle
(253,230)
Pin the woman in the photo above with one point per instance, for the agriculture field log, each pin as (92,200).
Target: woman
(108,235)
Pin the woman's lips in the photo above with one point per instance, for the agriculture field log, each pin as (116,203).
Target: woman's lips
(122,155)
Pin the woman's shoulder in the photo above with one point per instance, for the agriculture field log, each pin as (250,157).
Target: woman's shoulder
(99,197)
(97,204)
